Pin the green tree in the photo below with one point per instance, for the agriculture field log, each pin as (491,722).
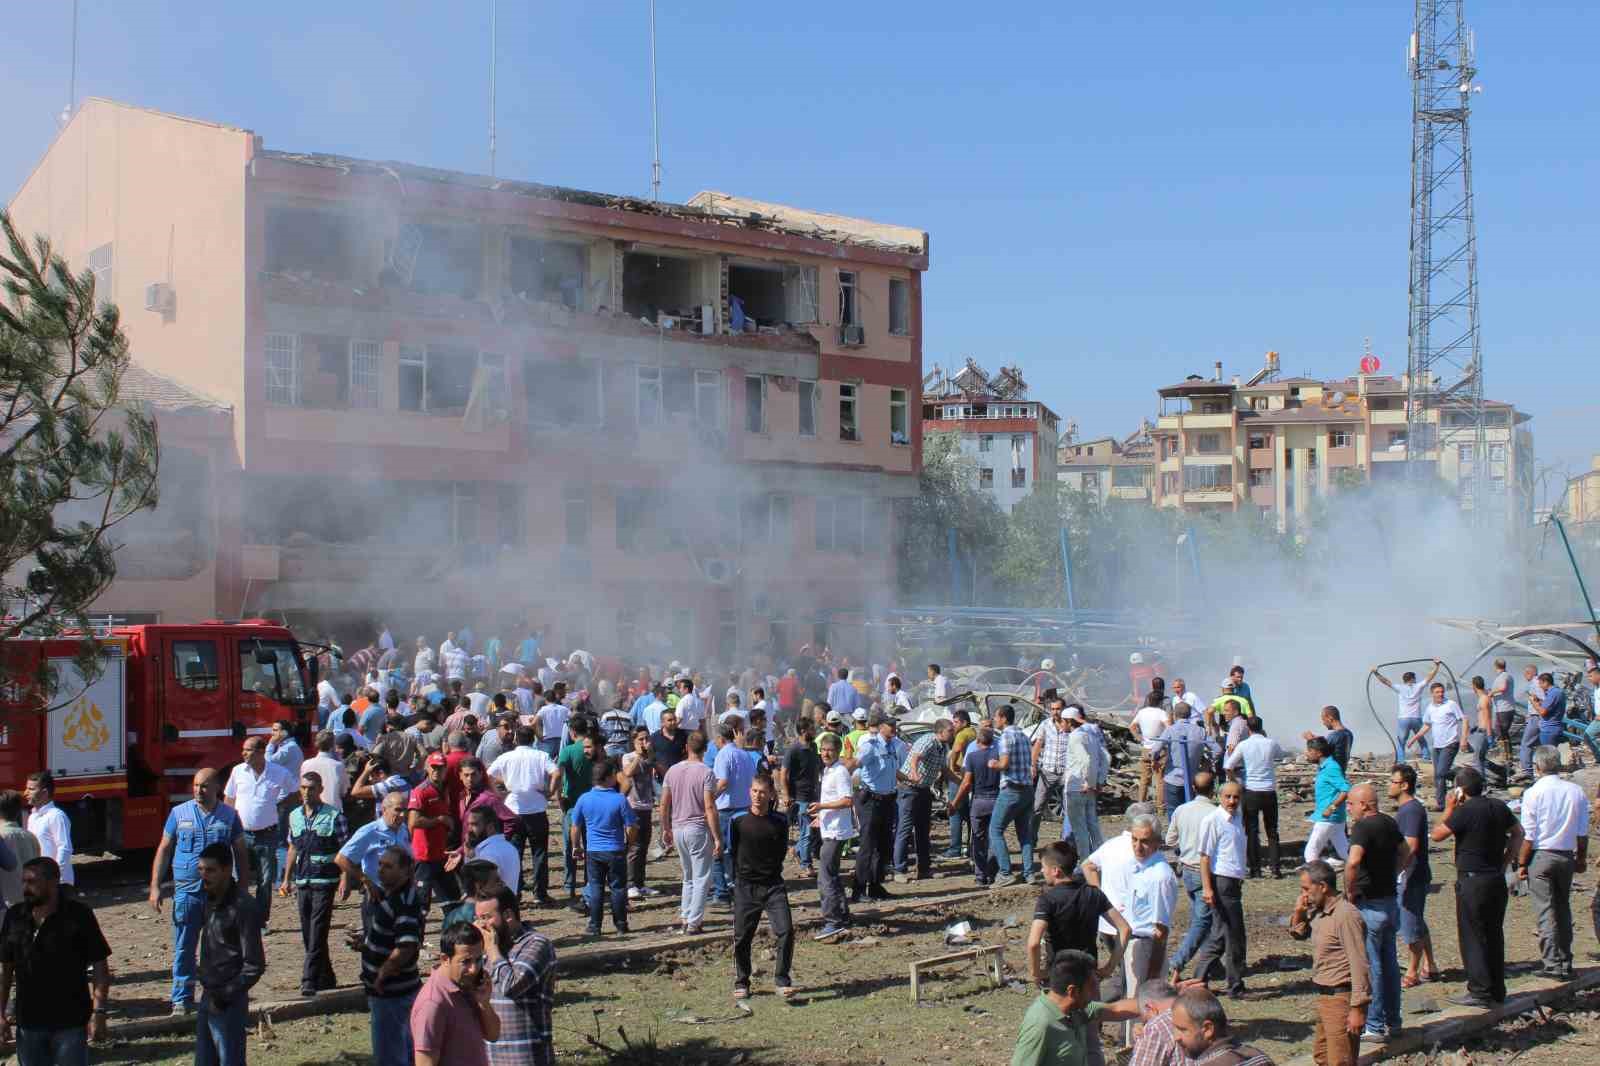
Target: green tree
(74,461)
(948,498)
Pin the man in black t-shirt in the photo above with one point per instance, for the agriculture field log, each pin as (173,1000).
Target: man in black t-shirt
(1488,837)
(669,744)
(802,779)
(759,840)
(1411,816)
(47,943)
(1069,912)
(1378,852)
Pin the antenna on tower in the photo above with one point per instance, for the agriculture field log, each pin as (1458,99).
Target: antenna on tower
(1444,380)
(72,78)
(655,121)
(494,33)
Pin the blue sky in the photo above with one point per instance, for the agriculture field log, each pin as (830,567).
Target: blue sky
(1116,196)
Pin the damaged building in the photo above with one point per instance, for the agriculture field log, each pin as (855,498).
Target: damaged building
(448,393)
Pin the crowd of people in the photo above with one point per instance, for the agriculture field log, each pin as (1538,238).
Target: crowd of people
(438,789)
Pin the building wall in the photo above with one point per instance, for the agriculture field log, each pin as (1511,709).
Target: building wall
(188,202)
(1000,459)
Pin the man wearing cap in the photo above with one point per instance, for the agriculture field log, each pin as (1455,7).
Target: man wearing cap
(877,762)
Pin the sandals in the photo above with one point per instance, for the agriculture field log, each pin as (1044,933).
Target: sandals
(1407,981)
(741,993)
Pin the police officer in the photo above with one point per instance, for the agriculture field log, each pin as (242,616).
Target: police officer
(190,827)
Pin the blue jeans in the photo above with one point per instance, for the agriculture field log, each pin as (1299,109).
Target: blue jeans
(1199,920)
(1405,729)
(188,916)
(1591,737)
(722,869)
(1551,730)
(53,1047)
(915,808)
(1085,817)
(1530,740)
(959,815)
(1012,805)
(389,1019)
(1382,918)
(802,827)
(569,867)
(263,847)
(607,869)
(1413,907)
(219,1032)
(1444,758)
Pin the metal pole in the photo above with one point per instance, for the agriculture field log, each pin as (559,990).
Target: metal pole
(1573,559)
(955,572)
(655,121)
(494,32)
(72,84)
(1066,573)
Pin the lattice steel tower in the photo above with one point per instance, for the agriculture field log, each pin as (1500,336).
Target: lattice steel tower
(1444,395)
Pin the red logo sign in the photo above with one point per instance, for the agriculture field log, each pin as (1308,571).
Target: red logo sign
(1370,364)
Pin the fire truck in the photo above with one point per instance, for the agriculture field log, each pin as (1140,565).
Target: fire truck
(168,700)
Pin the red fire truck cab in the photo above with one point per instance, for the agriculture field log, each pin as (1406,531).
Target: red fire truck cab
(169,700)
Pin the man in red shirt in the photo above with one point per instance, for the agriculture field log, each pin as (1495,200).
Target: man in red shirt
(456,751)
(790,694)
(428,814)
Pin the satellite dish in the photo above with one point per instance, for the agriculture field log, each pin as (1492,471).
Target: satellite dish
(1338,398)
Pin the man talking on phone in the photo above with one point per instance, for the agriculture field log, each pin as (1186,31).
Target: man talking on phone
(1488,838)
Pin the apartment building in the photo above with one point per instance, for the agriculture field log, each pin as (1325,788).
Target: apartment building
(1011,438)
(1279,444)
(1109,468)
(1580,508)
(640,423)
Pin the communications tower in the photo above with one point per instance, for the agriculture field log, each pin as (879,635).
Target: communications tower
(1444,393)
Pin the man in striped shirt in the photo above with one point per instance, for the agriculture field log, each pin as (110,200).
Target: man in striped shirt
(389,957)
(1014,759)
(923,770)
(522,966)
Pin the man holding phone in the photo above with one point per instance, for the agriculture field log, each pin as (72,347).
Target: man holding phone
(1488,837)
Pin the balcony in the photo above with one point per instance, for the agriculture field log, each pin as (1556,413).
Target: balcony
(1193,421)
(1208,496)
(1207,459)
(1388,418)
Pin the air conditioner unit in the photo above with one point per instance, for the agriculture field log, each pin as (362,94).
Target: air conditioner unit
(852,335)
(160,297)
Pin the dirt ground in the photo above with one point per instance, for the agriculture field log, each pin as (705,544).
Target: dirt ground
(854,1005)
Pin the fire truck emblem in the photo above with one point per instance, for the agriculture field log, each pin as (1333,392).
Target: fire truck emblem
(86,727)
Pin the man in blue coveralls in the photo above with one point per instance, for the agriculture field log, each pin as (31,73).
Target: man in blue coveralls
(190,827)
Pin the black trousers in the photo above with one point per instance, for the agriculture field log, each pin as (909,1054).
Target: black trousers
(316,916)
(533,838)
(1480,930)
(749,901)
(984,865)
(1261,807)
(1226,939)
(877,825)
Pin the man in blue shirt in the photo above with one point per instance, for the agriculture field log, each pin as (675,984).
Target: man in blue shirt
(1552,710)
(734,769)
(1184,744)
(1242,688)
(1013,757)
(878,758)
(605,825)
(842,695)
(1332,788)
(190,827)
(358,859)
(373,718)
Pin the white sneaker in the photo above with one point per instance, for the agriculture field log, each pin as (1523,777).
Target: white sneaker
(634,893)
(649,893)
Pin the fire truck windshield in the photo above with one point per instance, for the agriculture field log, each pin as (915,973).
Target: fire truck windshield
(281,679)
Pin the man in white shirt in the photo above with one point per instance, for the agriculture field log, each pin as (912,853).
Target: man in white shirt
(423,663)
(478,700)
(1408,718)
(49,823)
(335,781)
(691,708)
(1183,833)
(552,724)
(255,790)
(1223,854)
(1260,755)
(1555,845)
(1147,726)
(1151,893)
(1080,786)
(1181,694)
(941,684)
(526,778)
(1447,726)
(327,701)
(835,819)
(484,841)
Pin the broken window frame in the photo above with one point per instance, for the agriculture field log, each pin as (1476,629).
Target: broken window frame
(445,230)
(755,403)
(698,297)
(807,400)
(849,409)
(899,418)
(849,298)
(899,307)
(545,270)
(428,357)
(800,293)
(281,364)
